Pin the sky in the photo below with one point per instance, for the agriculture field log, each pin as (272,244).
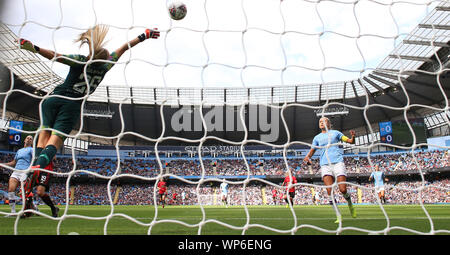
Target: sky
(225,43)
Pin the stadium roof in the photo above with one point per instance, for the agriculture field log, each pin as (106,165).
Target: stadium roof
(415,73)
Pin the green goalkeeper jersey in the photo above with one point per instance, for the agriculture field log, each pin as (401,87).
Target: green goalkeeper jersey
(75,84)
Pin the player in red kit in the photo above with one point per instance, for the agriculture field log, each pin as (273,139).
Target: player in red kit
(274,195)
(174,197)
(281,196)
(162,190)
(291,191)
(40,179)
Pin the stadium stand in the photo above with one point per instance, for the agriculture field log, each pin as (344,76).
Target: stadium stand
(402,167)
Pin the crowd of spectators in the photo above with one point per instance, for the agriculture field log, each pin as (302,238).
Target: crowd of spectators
(406,192)
(140,194)
(236,166)
(400,162)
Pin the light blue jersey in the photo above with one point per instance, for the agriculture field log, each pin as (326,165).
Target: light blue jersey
(378,178)
(224,188)
(334,153)
(23,158)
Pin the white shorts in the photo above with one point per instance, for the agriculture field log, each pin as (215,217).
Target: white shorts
(334,170)
(19,175)
(378,189)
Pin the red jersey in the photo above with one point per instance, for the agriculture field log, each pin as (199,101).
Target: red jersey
(274,192)
(162,187)
(50,166)
(287,182)
(174,196)
(43,177)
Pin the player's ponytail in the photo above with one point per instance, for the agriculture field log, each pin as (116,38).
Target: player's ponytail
(95,38)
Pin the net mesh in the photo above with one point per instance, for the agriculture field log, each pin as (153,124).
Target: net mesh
(276,43)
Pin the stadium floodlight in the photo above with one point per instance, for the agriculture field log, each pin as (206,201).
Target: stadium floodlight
(98,114)
(332,111)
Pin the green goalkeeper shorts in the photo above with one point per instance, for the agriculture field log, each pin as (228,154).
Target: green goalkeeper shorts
(60,114)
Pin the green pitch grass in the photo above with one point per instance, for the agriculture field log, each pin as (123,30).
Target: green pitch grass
(218,220)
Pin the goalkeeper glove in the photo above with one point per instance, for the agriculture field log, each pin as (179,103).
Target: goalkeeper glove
(27,45)
(149,33)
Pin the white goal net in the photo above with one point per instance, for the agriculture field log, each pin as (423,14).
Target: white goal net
(357,62)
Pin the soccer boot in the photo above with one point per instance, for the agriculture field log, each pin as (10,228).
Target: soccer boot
(28,205)
(338,219)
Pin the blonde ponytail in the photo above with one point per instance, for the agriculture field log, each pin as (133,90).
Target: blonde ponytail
(95,38)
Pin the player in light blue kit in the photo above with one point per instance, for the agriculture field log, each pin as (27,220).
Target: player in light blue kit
(331,160)
(224,193)
(21,162)
(379,178)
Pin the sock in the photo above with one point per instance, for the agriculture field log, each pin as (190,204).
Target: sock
(334,205)
(35,206)
(47,200)
(12,201)
(37,152)
(331,200)
(46,156)
(348,198)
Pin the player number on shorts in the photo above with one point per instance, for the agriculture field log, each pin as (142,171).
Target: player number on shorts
(81,86)
(43,178)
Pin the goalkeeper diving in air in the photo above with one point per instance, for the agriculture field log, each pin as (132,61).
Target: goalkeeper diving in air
(331,161)
(85,74)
